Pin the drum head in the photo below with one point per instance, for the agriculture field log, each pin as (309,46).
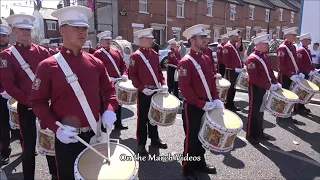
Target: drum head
(225,118)
(309,84)
(223,82)
(91,166)
(166,100)
(287,94)
(126,84)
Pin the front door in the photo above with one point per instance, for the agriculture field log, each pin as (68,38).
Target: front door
(216,35)
(156,35)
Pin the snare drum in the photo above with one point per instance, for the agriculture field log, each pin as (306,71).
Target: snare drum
(222,85)
(315,79)
(304,89)
(163,109)
(219,129)
(13,113)
(90,166)
(176,76)
(281,102)
(243,80)
(126,92)
(45,141)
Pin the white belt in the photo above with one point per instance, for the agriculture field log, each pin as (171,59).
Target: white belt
(83,129)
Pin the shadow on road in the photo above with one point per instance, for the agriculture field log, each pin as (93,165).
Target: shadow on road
(10,168)
(126,113)
(266,124)
(312,117)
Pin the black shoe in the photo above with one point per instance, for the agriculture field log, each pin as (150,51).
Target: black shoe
(233,108)
(158,143)
(190,176)
(207,169)
(253,140)
(54,177)
(300,111)
(120,127)
(265,136)
(5,160)
(142,150)
(295,121)
(308,111)
(36,153)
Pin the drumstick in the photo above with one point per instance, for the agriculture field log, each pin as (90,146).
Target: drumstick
(108,142)
(84,143)
(156,90)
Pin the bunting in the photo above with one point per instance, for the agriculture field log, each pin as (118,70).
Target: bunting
(90,5)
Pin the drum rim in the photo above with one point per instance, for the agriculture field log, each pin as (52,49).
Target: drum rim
(218,126)
(164,109)
(44,152)
(212,148)
(274,112)
(220,86)
(306,88)
(133,174)
(126,88)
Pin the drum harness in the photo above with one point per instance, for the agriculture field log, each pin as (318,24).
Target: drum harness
(307,54)
(236,53)
(146,61)
(112,60)
(291,57)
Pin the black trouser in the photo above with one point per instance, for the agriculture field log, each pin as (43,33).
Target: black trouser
(118,122)
(191,117)
(232,76)
(299,106)
(4,129)
(284,81)
(170,78)
(221,69)
(255,117)
(143,123)
(66,155)
(176,89)
(27,123)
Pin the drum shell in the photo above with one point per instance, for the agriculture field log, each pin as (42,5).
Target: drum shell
(176,76)
(130,95)
(42,136)
(223,91)
(274,99)
(305,94)
(13,114)
(315,79)
(242,81)
(227,136)
(125,49)
(113,142)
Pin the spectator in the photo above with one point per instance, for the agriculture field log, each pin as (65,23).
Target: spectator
(315,54)
(274,44)
(219,40)
(182,49)
(155,46)
(250,46)
(297,43)
(241,46)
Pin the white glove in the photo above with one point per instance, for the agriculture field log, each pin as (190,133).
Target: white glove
(67,137)
(313,73)
(238,70)
(164,88)
(218,104)
(208,106)
(273,87)
(124,77)
(218,76)
(279,86)
(5,95)
(147,91)
(295,78)
(112,79)
(108,118)
(301,75)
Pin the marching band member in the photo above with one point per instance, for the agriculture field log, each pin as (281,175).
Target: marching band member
(221,67)
(173,59)
(286,55)
(115,65)
(5,149)
(304,63)
(196,100)
(260,80)
(234,66)
(209,52)
(146,75)
(19,63)
(45,43)
(74,98)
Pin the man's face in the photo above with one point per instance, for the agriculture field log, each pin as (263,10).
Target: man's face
(306,42)
(225,40)
(105,43)
(264,47)
(145,42)
(75,36)
(200,42)
(173,46)
(274,37)
(315,46)
(22,34)
(234,38)
(291,37)
(4,40)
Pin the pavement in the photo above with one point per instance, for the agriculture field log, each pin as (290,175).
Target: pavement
(293,152)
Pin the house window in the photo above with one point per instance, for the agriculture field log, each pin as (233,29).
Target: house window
(52,25)
(292,17)
(267,15)
(248,31)
(180,8)
(251,13)
(232,12)
(280,14)
(209,7)
(143,6)
(278,31)
(176,33)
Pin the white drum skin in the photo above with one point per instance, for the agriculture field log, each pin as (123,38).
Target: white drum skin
(45,141)
(315,79)
(126,93)
(279,105)
(163,116)
(90,166)
(242,81)
(215,137)
(223,85)
(304,89)
(13,113)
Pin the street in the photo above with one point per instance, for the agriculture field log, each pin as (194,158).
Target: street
(293,152)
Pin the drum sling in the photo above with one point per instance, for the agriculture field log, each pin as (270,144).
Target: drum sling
(146,61)
(291,57)
(112,60)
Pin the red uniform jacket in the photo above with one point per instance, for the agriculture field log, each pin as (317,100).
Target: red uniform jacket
(92,51)
(285,64)
(1,86)
(220,53)
(304,60)
(51,84)
(257,73)
(14,79)
(230,57)
(112,72)
(139,72)
(173,57)
(51,51)
(190,83)
(209,52)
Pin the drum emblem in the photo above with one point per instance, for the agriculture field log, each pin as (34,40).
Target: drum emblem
(302,94)
(46,141)
(156,115)
(170,117)
(224,94)
(278,105)
(212,136)
(230,140)
(244,82)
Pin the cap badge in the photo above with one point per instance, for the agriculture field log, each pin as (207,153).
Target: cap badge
(82,16)
(26,21)
(68,52)
(203,30)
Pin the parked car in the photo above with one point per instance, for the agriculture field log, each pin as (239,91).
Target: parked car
(163,53)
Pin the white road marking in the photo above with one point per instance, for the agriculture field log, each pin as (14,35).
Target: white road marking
(241,99)
(313,162)
(314,104)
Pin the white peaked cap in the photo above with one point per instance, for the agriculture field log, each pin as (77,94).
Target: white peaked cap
(54,44)
(22,21)
(77,16)
(4,29)
(45,41)
(233,33)
(105,35)
(172,41)
(224,36)
(292,30)
(208,33)
(261,33)
(199,29)
(262,38)
(305,36)
(145,33)
(86,45)
(118,38)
